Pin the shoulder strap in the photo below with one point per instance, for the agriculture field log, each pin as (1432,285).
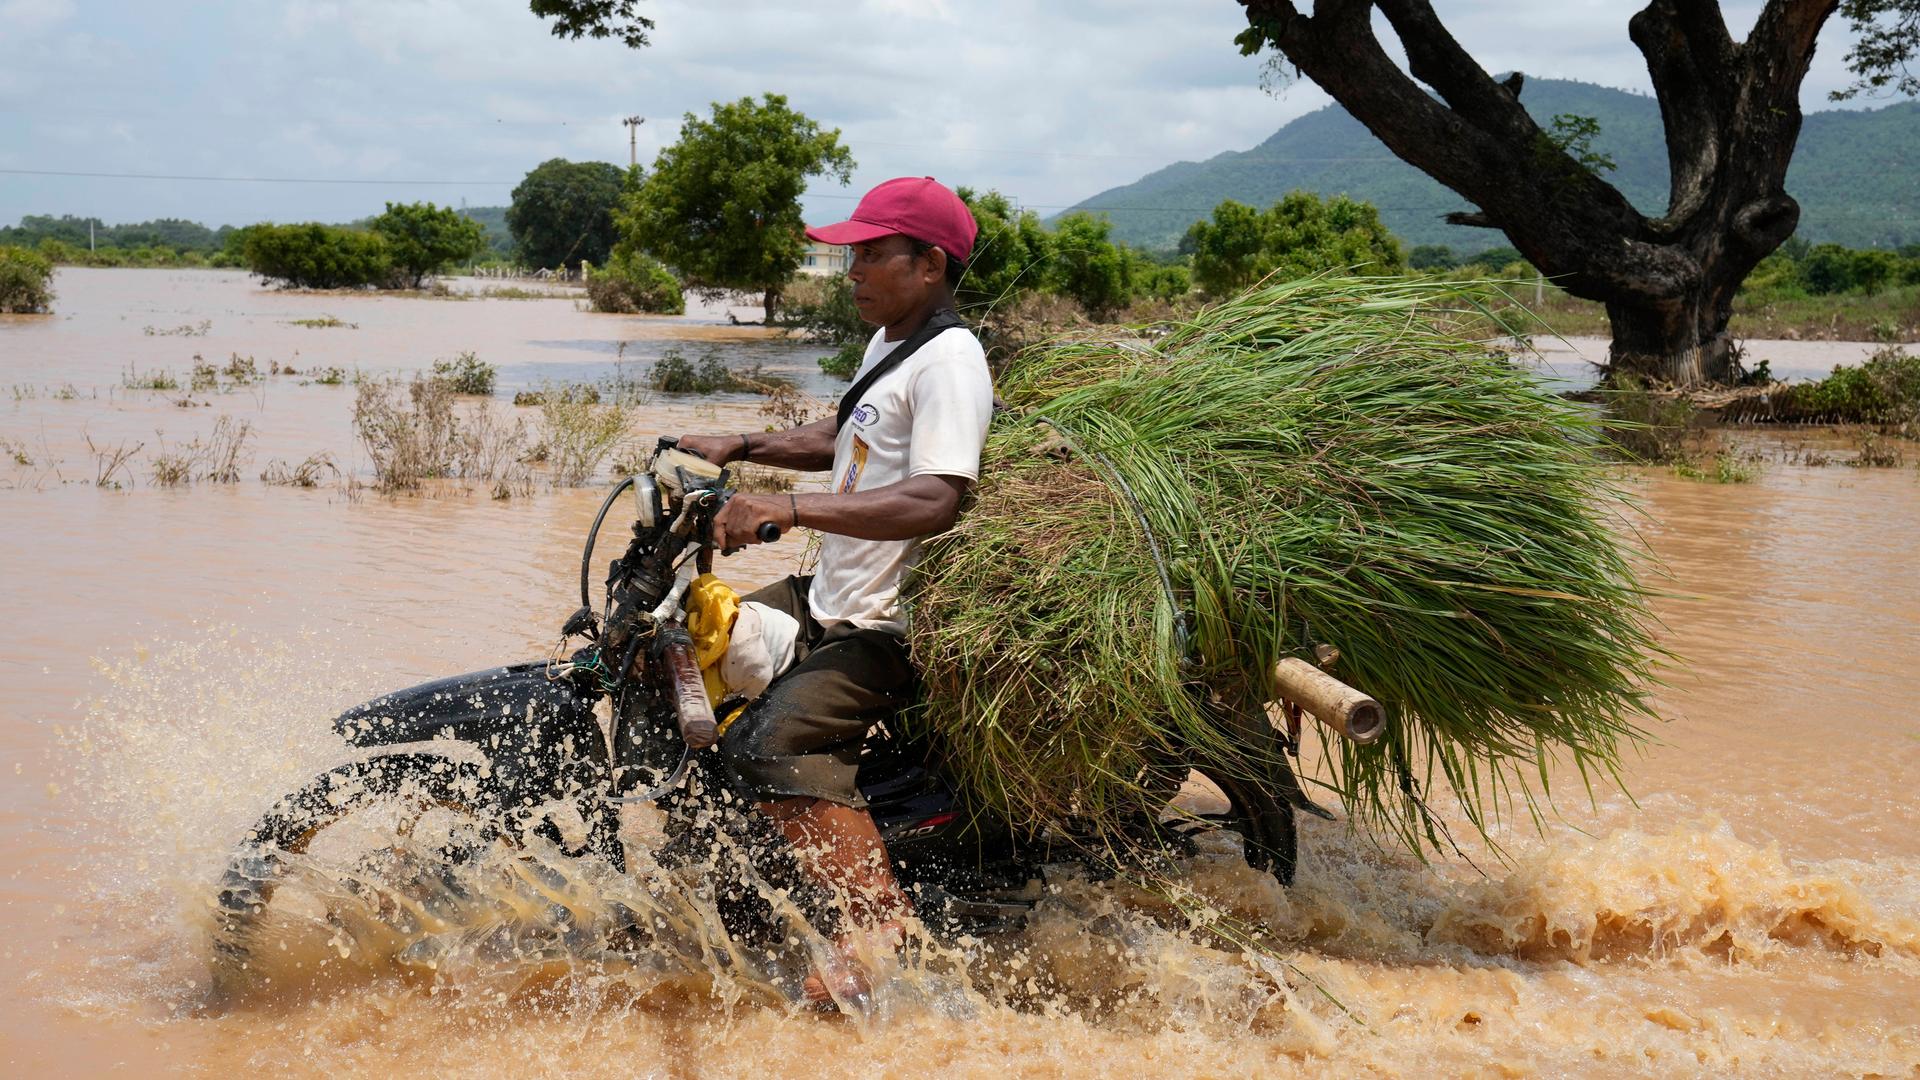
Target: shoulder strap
(944,319)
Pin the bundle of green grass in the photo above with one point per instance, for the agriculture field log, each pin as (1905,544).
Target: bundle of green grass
(1321,461)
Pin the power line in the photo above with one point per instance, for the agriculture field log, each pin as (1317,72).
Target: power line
(254,179)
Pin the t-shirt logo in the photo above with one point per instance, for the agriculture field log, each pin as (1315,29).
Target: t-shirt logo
(856,464)
(864,416)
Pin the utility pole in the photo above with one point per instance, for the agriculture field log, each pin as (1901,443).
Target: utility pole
(633,142)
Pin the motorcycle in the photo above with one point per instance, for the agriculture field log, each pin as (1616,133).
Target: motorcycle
(518,753)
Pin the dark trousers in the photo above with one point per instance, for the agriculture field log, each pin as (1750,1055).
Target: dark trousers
(802,737)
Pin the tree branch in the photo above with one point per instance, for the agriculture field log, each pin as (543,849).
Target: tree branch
(1783,39)
(1486,148)
(1685,58)
(1435,58)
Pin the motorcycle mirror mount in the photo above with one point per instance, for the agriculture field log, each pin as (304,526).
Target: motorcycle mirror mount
(581,623)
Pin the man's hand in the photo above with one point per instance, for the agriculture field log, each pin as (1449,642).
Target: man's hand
(719,449)
(738,523)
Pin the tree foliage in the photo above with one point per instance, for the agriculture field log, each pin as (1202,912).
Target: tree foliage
(1300,235)
(722,205)
(575,19)
(562,213)
(316,256)
(25,281)
(423,239)
(1010,253)
(1886,39)
(1088,267)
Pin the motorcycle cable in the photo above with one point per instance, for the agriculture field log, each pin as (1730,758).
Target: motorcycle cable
(593,535)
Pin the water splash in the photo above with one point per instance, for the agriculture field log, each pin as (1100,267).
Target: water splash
(1629,951)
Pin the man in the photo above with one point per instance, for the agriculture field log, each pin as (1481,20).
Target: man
(903,449)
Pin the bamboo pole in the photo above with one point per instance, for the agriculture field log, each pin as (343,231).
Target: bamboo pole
(1350,713)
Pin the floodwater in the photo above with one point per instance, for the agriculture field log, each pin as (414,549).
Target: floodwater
(171,657)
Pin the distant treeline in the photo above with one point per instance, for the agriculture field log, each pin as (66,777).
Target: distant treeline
(65,240)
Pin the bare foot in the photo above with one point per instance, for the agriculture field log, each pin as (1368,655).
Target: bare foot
(844,978)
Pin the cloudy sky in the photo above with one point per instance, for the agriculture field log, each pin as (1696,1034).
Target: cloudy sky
(1049,102)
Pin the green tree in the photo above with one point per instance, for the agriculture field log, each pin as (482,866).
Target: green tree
(1731,110)
(1010,254)
(1432,257)
(423,238)
(1874,270)
(316,256)
(25,281)
(1088,266)
(722,205)
(562,213)
(1828,269)
(1301,234)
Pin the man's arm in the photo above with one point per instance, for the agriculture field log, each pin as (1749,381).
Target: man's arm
(917,506)
(808,448)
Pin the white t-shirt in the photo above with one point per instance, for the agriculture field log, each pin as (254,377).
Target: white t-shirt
(927,416)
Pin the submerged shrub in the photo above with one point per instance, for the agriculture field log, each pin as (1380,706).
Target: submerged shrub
(1883,390)
(842,364)
(466,374)
(634,283)
(673,373)
(316,256)
(577,434)
(409,437)
(26,281)
(1647,427)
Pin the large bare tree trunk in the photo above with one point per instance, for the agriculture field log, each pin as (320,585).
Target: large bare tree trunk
(1732,115)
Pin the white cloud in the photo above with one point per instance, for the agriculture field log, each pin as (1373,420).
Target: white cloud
(26,16)
(1050,102)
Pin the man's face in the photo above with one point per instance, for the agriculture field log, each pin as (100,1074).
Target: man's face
(890,282)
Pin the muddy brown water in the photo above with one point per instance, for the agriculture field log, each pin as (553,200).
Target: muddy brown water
(170,658)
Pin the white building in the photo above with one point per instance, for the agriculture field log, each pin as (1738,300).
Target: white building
(825,260)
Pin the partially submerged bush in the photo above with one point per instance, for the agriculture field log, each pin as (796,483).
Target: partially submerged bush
(1647,427)
(409,438)
(673,373)
(26,281)
(316,256)
(631,283)
(1883,390)
(466,374)
(306,474)
(420,436)
(845,363)
(578,435)
(217,457)
(157,379)
(1724,466)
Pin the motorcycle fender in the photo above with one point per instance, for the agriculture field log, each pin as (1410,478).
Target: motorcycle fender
(532,728)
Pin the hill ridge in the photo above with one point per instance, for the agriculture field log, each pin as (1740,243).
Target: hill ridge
(1853,172)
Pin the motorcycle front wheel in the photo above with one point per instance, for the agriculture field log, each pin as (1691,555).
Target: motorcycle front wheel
(382,796)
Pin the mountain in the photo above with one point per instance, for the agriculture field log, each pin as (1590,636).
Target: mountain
(1854,173)
(494,220)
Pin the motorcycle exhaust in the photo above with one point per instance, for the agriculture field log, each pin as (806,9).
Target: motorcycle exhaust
(1350,713)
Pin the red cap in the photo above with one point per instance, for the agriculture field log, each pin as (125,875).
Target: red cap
(919,207)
